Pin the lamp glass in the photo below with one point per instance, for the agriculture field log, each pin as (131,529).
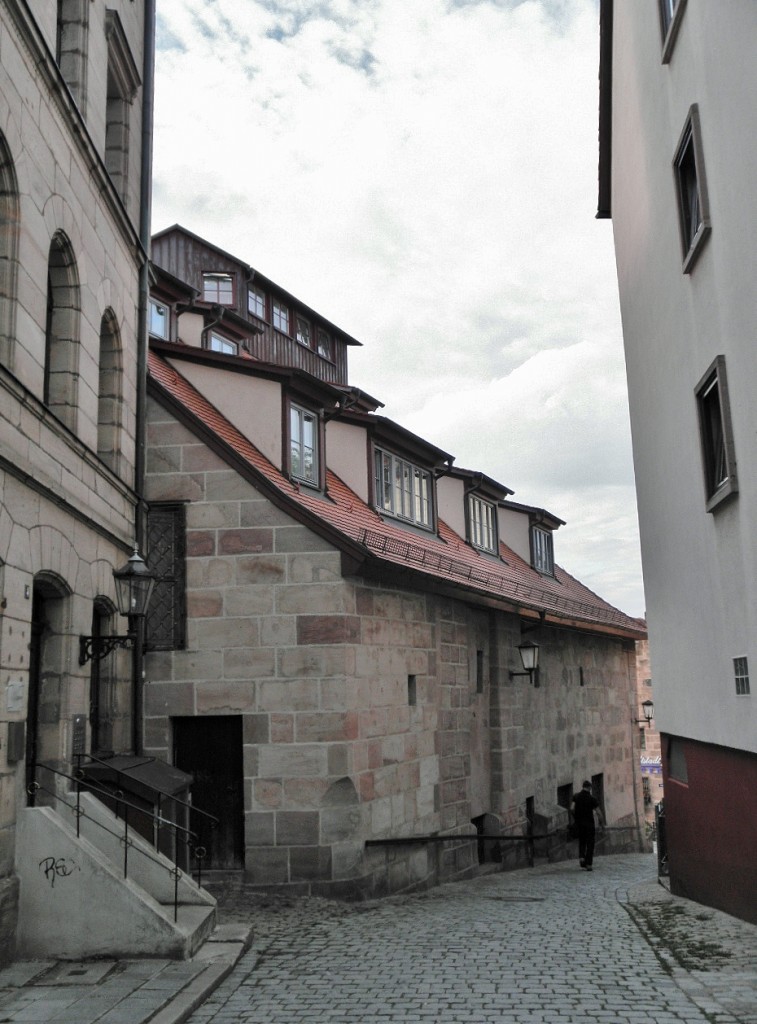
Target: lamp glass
(134,583)
(648,709)
(529,655)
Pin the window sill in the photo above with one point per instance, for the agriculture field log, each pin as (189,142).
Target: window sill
(722,495)
(695,249)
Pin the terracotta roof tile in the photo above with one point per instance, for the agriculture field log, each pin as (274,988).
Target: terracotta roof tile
(445,556)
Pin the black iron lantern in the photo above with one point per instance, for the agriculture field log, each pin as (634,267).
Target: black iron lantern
(134,583)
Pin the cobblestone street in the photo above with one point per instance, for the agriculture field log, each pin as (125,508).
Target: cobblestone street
(550,944)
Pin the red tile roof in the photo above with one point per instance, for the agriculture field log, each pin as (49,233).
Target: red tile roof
(444,558)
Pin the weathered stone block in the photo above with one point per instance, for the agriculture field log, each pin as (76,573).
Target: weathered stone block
(169,699)
(204,604)
(282,728)
(304,794)
(221,697)
(267,866)
(256,729)
(310,862)
(259,828)
(249,663)
(292,761)
(340,823)
(312,727)
(299,538)
(260,570)
(328,629)
(245,541)
(294,695)
(297,828)
(200,543)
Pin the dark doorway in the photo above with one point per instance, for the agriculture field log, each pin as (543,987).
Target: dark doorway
(210,749)
(32,714)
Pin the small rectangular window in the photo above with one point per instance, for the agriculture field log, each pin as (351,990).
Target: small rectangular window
(691,188)
(280,316)
(217,343)
(482,524)
(159,320)
(671,13)
(718,455)
(303,332)
(741,673)
(256,302)
(677,767)
(303,445)
(218,289)
(479,671)
(412,691)
(542,556)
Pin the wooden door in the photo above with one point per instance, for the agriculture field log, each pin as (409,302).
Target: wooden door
(210,749)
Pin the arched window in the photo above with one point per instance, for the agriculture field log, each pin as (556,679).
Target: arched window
(62,332)
(9,222)
(109,399)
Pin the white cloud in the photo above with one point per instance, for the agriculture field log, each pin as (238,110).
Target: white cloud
(424,174)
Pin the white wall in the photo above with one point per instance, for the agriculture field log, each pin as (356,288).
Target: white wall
(700,568)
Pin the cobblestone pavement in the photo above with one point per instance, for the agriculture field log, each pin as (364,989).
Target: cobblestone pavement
(549,945)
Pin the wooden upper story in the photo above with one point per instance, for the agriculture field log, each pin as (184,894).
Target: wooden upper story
(283,330)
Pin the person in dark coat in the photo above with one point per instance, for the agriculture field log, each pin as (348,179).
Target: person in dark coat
(585,806)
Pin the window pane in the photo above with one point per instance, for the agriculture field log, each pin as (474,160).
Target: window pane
(217,343)
(218,288)
(256,302)
(324,344)
(280,317)
(303,444)
(159,319)
(303,332)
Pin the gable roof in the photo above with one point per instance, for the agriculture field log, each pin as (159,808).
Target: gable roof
(374,545)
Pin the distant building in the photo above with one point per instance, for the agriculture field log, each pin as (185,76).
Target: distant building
(338,613)
(73,184)
(650,756)
(677,172)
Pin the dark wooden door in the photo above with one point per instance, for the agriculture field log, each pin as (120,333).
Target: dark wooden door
(210,749)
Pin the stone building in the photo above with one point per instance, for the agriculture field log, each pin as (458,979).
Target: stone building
(74,183)
(334,638)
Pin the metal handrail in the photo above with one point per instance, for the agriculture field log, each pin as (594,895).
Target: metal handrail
(126,841)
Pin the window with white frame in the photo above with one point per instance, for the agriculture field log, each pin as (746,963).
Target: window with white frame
(542,554)
(303,444)
(741,673)
(159,320)
(481,522)
(218,343)
(218,288)
(280,316)
(691,188)
(256,302)
(402,489)
(718,455)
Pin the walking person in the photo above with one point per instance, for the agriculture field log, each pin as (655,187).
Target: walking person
(585,806)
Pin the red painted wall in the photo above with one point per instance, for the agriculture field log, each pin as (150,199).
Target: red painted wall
(711,827)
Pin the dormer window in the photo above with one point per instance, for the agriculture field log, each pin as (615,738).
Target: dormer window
(402,489)
(160,320)
(304,432)
(481,524)
(303,332)
(218,343)
(542,553)
(218,288)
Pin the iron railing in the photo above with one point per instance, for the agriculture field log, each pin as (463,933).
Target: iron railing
(181,835)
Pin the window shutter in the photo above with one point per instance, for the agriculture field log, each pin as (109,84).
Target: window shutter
(166,616)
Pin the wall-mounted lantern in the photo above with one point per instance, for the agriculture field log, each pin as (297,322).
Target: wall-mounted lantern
(134,583)
(529,656)
(647,709)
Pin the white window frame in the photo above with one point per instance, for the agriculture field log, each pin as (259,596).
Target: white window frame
(165,316)
(482,522)
(304,457)
(256,302)
(542,550)
(280,316)
(304,332)
(741,676)
(218,278)
(403,490)
(220,343)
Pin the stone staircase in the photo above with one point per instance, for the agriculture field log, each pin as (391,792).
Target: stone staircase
(78,901)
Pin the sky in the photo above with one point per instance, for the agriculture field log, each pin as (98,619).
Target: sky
(423,173)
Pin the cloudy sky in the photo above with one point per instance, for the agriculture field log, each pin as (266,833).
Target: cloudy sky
(423,173)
